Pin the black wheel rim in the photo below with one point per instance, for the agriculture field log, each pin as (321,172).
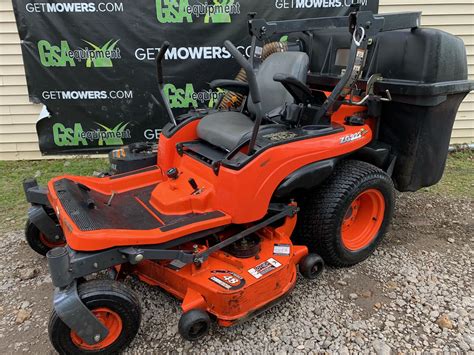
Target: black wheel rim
(197,329)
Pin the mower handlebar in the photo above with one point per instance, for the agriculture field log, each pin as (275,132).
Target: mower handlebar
(244,63)
(159,59)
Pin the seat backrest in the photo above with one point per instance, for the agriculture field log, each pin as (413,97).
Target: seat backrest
(273,93)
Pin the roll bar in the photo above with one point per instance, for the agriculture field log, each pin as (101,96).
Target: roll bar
(159,60)
(244,63)
(254,90)
(159,74)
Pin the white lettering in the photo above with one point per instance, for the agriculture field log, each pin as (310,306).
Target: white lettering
(87,95)
(184,53)
(40,7)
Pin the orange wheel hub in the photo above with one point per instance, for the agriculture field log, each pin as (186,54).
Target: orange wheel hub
(50,244)
(112,322)
(363,220)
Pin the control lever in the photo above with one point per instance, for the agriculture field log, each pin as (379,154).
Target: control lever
(194,186)
(159,74)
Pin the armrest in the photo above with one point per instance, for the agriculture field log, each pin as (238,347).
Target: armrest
(231,85)
(300,92)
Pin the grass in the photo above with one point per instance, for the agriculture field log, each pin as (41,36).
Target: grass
(13,206)
(458,178)
(457,181)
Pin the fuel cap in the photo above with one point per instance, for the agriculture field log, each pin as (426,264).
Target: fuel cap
(172,173)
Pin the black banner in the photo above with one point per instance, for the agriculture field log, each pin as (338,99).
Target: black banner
(91,63)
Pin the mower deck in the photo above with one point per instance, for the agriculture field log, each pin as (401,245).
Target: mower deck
(231,288)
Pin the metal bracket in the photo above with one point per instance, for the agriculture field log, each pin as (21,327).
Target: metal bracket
(77,316)
(179,149)
(215,167)
(135,255)
(45,224)
(35,194)
(66,265)
(370,92)
(371,83)
(282,212)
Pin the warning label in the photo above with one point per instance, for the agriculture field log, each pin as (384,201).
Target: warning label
(281,249)
(264,268)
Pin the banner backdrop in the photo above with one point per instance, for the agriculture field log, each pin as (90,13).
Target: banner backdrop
(91,63)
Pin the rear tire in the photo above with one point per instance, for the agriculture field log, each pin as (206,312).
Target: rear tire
(38,241)
(345,218)
(115,305)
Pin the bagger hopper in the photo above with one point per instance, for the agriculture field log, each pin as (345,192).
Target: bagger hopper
(298,166)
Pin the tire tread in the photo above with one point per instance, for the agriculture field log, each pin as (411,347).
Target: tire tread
(99,291)
(324,202)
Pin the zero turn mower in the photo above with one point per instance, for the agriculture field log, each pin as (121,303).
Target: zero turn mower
(324,130)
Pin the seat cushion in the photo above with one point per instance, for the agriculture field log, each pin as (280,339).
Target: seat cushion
(224,129)
(273,93)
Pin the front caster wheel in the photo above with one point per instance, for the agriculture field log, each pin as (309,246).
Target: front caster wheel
(38,241)
(311,266)
(194,324)
(114,305)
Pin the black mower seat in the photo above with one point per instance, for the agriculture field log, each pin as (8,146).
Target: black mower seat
(227,128)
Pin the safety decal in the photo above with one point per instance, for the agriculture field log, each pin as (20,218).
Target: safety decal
(264,268)
(227,279)
(281,249)
(280,136)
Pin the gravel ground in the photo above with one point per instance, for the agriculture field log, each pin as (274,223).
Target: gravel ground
(415,293)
